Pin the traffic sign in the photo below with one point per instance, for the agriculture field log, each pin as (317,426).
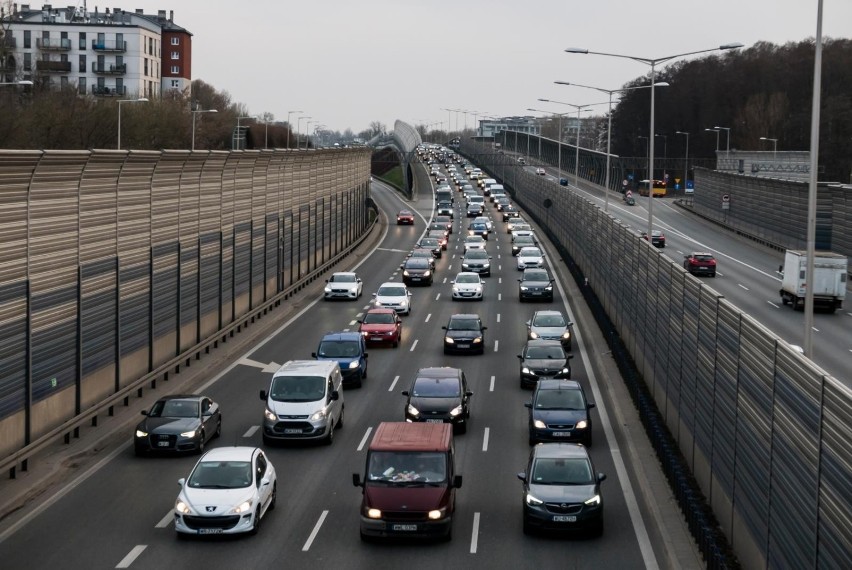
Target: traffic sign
(726,197)
(624,182)
(726,201)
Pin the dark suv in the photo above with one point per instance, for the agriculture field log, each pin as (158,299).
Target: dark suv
(559,411)
(535,284)
(464,333)
(349,349)
(439,395)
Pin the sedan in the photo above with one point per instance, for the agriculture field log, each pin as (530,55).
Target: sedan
(520,242)
(381,326)
(343,285)
(445,209)
(478,229)
(478,261)
(559,411)
(530,257)
(550,325)
(473,242)
(535,284)
(230,491)
(509,211)
(474,209)
(464,333)
(467,285)
(561,490)
(439,395)
(484,220)
(405,217)
(393,295)
(541,360)
(658,238)
(178,423)
(700,263)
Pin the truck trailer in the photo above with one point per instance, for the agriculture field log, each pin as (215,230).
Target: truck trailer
(829,281)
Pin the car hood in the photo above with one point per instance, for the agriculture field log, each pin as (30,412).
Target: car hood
(435,404)
(549,331)
(534,283)
(378,327)
(215,502)
(463,335)
(546,363)
(294,408)
(418,270)
(467,286)
(388,299)
(559,416)
(529,257)
(168,425)
(342,285)
(405,498)
(562,493)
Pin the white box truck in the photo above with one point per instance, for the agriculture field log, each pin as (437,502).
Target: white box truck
(829,282)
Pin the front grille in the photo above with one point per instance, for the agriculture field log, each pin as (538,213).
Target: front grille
(156,440)
(302,426)
(404,516)
(545,371)
(564,508)
(293,417)
(561,426)
(224,523)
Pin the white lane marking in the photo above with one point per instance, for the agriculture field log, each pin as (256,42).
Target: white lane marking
(722,274)
(491,388)
(365,308)
(499,280)
(850,314)
(438,296)
(166,520)
(314,532)
(414,344)
(474,537)
(250,431)
(499,268)
(773,304)
(395,379)
(485,439)
(353,323)
(445,280)
(359,315)
(499,296)
(743,286)
(131,556)
(815,329)
(496,344)
(498,317)
(364,439)
(429,316)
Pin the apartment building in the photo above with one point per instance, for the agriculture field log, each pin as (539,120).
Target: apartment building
(114,53)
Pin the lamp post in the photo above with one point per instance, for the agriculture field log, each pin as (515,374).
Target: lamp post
(665,155)
(120,101)
(727,140)
(685,159)
(299,128)
(289,127)
(774,146)
(235,141)
(717,131)
(23,82)
(609,124)
(194,114)
(579,108)
(653,63)
(307,131)
(650,176)
(559,137)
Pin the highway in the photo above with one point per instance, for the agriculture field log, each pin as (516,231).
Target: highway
(121,516)
(747,274)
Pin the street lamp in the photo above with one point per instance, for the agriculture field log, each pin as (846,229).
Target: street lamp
(194,114)
(727,139)
(23,82)
(653,63)
(665,155)
(559,136)
(774,146)
(120,101)
(650,177)
(235,140)
(579,108)
(685,159)
(289,127)
(298,129)
(609,124)
(307,131)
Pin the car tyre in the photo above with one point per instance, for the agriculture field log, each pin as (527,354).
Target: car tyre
(329,439)
(268,441)
(598,529)
(533,441)
(365,537)
(257,520)
(138,451)
(588,440)
(713,274)
(340,419)
(218,433)
(528,530)
(201,440)
(272,501)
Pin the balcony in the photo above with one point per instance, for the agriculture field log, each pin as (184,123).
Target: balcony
(53,66)
(111,69)
(114,47)
(99,91)
(53,44)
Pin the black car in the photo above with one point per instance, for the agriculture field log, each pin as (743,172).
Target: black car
(535,284)
(445,209)
(509,212)
(478,229)
(417,271)
(432,244)
(464,333)
(522,241)
(474,209)
(440,236)
(559,411)
(561,490)
(178,423)
(543,360)
(447,221)
(439,395)
(478,261)
(424,253)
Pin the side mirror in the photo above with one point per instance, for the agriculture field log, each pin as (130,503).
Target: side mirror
(356,480)
(358,280)
(360,321)
(453,282)
(313,355)
(601,477)
(404,392)
(570,356)
(181,481)
(374,294)
(366,355)
(528,322)
(144,412)
(522,476)
(457,481)
(444,328)
(263,395)
(521,356)
(484,329)
(528,405)
(401,265)
(686,257)
(468,393)
(326,280)
(590,405)
(335,395)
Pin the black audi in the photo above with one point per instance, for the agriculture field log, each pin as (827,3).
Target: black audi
(464,333)
(439,395)
(178,423)
(543,360)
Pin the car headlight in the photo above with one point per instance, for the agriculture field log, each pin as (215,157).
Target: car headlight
(582,424)
(596,500)
(436,514)
(405,273)
(182,507)
(566,370)
(539,424)
(448,340)
(318,415)
(526,370)
(412,411)
(243,507)
(427,273)
(477,340)
(455,411)
(566,335)
(524,288)
(533,334)
(140,433)
(364,333)
(354,364)
(328,289)
(549,288)
(374,513)
(532,500)
(269,415)
(191,433)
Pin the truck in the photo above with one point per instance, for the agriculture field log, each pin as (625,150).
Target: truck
(829,282)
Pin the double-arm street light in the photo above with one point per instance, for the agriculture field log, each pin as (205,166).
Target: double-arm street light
(580,108)
(685,159)
(727,139)
(665,156)
(299,129)
(194,114)
(289,127)
(558,137)
(774,146)
(653,63)
(120,101)
(609,123)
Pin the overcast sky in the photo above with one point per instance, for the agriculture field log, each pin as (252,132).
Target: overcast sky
(347,63)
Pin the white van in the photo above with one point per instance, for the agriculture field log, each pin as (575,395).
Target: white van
(304,401)
(484,183)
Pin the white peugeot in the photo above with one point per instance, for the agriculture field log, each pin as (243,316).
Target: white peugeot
(394,295)
(343,285)
(530,257)
(467,285)
(229,491)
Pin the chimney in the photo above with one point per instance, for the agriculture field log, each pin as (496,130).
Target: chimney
(140,11)
(161,14)
(171,15)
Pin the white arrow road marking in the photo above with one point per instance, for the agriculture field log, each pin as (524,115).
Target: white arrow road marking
(272,367)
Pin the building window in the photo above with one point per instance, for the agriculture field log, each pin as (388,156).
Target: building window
(28,61)
(175,55)
(63,82)
(27,39)
(151,46)
(175,41)
(146,66)
(81,86)
(82,63)
(175,83)
(175,70)
(82,40)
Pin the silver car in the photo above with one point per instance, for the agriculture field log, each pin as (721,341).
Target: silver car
(550,325)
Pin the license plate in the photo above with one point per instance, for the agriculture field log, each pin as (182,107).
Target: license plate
(376,338)
(415,278)
(292,430)
(431,421)
(562,434)
(210,531)
(162,444)
(463,345)
(564,518)
(406,527)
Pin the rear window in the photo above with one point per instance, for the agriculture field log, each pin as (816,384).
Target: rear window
(556,471)
(436,388)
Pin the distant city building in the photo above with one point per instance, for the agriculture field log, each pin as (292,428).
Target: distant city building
(489,127)
(105,54)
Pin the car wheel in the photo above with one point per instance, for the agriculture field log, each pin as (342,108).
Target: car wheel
(218,428)
(598,529)
(365,537)
(713,274)
(446,351)
(274,498)
(268,441)
(521,298)
(201,440)
(256,526)
(449,536)
(329,439)
(588,441)
(181,535)
(463,427)
(340,419)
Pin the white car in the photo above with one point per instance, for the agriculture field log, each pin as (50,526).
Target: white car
(229,491)
(467,285)
(530,257)
(394,295)
(473,242)
(540,171)
(517,224)
(343,285)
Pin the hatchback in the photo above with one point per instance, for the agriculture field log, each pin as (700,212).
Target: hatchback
(439,395)
(467,285)
(543,360)
(417,271)
(530,257)
(381,326)
(405,217)
(478,261)
(393,295)
(559,411)
(464,333)
(349,350)
(700,263)
(550,325)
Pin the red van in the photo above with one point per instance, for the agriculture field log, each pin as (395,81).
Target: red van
(409,486)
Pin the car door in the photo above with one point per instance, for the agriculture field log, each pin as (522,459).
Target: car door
(264,491)
(465,396)
(207,422)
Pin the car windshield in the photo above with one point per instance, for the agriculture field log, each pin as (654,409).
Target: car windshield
(478,227)
(220,475)
(474,239)
(398,468)
(548,321)
(436,388)
(297,388)
(558,471)
(339,348)
(429,242)
(522,241)
(545,352)
(342,278)
(391,291)
(417,263)
(174,409)
(559,400)
(467,279)
(476,254)
(531,252)
(535,276)
(378,319)
(464,325)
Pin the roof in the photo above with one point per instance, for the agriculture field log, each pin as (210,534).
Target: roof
(341,335)
(439,372)
(558,385)
(542,342)
(464,315)
(233,453)
(547,312)
(302,367)
(381,310)
(180,397)
(404,436)
(560,450)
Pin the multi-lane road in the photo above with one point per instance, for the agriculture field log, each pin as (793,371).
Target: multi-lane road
(121,515)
